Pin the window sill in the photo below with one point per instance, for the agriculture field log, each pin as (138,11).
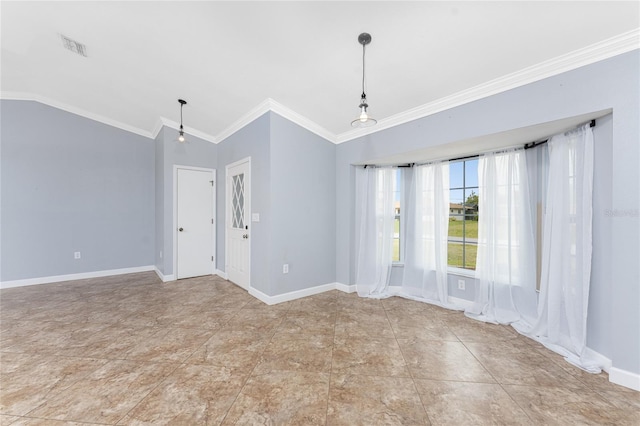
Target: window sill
(469,273)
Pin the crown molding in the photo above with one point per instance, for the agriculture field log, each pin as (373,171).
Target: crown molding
(622,43)
(249,117)
(276,107)
(188,130)
(301,121)
(157,128)
(26,96)
(162,121)
(602,50)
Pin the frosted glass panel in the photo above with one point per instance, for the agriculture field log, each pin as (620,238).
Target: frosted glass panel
(237,201)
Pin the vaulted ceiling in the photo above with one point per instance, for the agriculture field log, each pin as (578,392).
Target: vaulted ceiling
(227,58)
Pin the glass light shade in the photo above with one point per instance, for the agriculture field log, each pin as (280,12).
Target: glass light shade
(363,120)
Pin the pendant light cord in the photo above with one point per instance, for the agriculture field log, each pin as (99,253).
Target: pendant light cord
(363,68)
(364,120)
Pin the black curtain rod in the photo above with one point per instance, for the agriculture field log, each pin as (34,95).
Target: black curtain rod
(464,158)
(399,165)
(534,144)
(526,146)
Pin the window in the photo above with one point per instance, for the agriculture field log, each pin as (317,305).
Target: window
(462,245)
(397,203)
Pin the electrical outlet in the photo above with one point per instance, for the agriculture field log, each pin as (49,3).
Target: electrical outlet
(461,284)
(76,255)
(285,268)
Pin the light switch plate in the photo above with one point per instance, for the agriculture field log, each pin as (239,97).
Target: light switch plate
(255,217)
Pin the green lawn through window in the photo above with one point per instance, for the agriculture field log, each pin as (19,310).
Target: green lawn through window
(470,228)
(455,249)
(454,255)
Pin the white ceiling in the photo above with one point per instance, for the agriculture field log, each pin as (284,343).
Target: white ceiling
(227,58)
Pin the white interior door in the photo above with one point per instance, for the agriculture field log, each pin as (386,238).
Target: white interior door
(195,222)
(238,214)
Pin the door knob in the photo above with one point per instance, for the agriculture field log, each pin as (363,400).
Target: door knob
(245,236)
(180,229)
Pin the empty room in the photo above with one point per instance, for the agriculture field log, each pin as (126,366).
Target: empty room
(320,213)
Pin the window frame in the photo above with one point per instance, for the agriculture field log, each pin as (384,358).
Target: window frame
(466,192)
(400,180)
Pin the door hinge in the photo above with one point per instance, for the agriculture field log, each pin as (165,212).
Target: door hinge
(212,258)
(211,220)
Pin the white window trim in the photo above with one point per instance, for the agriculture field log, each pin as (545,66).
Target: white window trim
(401,235)
(470,273)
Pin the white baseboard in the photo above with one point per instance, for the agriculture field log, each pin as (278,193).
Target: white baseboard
(624,378)
(346,288)
(464,303)
(616,375)
(603,361)
(164,278)
(73,277)
(292,295)
(172,277)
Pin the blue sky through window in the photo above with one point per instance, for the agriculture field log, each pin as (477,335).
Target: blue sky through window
(463,174)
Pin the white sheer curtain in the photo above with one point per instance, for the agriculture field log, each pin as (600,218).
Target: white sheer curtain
(505,265)
(538,172)
(566,255)
(375,217)
(425,263)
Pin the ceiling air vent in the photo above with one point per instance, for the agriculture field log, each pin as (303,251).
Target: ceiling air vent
(74,46)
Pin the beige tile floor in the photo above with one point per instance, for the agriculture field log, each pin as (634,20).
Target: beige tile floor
(132,350)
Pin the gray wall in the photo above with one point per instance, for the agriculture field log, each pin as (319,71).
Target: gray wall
(293,191)
(250,141)
(72,184)
(159,201)
(602,288)
(625,236)
(613,83)
(303,205)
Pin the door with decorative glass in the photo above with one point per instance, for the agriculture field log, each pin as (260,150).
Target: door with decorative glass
(238,214)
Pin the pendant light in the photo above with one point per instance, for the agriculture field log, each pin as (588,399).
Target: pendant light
(364,119)
(181,138)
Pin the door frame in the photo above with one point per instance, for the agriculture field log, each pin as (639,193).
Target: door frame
(175,216)
(227,216)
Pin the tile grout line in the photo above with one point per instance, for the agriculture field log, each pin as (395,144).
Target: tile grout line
(47,418)
(333,348)
(581,382)
(149,393)
(413,380)
(252,370)
(67,387)
(179,364)
(497,382)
